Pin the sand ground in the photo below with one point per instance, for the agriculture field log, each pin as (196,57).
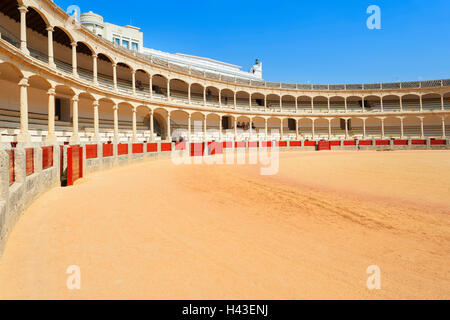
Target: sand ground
(154,230)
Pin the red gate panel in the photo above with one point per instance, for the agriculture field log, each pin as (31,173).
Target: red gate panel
(197,149)
(400,142)
(108,150)
(253,144)
(74,164)
(166,146)
(382,142)
(350,143)
(180,146)
(138,148)
(29,156)
(281,144)
(435,142)
(12,174)
(309,144)
(47,157)
(365,142)
(152,147)
(227,144)
(239,144)
(215,148)
(91,151)
(295,144)
(122,149)
(323,145)
(419,142)
(335,143)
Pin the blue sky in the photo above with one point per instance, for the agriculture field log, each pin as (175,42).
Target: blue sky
(298,41)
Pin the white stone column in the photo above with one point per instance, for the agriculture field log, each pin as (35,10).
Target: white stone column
(96,121)
(296,128)
(422,134)
(150,80)
(329,128)
(220,98)
(345,104)
(329,105)
(169,136)
(421,103)
(75,138)
(251,127)
(133,139)
(346,128)
(189,126)
(402,133)
(296,104)
(363,103)
(382,128)
(74,59)
(116,122)
(220,127)
(152,134)
(51,137)
(265,127)
(24,135)
(94,68)
(442,102)
(281,104)
(312,104)
(133,81)
(381,104)
(401,103)
(364,127)
(204,128)
(204,96)
(189,94)
(250,101)
(313,128)
(168,89)
(115,76)
(235,102)
(265,103)
(281,129)
(51,59)
(443,127)
(23,29)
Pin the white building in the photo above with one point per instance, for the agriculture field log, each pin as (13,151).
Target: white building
(131,38)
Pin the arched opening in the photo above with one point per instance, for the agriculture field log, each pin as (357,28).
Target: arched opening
(125,117)
(159,86)
(62,48)
(392,127)
(179,90)
(143,123)
(179,124)
(372,103)
(197,121)
(288,103)
(242,100)
(10,22)
(258,101)
(411,102)
(391,103)
(337,104)
(213,125)
(412,127)
(212,96)
(243,128)
(320,104)
(160,124)
(259,125)
(321,128)
(373,127)
(105,73)
(304,103)
(305,128)
(273,103)
(142,83)
(227,98)
(124,78)
(85,62)
(197,94)
(431,101)
(336,131)
(354,104)
(37,36)
(432,125)
(447,101)
(9,98)
(86,115)
(106,119)
(355,128)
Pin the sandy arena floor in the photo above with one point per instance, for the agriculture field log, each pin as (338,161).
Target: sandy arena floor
(158,231)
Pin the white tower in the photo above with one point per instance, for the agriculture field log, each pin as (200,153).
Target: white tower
(257,69)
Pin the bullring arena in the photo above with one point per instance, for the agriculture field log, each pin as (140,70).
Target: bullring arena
(362,176)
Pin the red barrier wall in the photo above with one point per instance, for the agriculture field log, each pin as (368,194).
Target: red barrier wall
(295,144)
(91,151)
(166,146)
(365,142)
(108,150)
(253,144)
(350,143)
(179,146)
(309,144)
(227,144)
(335,143)
(47,157)
(239,144)
(400,142)
(74,164)
(266,144)
(197,149)
(29,155)
(323,145)
(12,174)
(418,142)
(382,142)
(122,149)
(281,144)
(152,147)
(138,148)
(215,148)
(438,142)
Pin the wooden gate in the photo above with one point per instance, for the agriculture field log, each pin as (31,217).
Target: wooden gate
(323,145)
(74,164)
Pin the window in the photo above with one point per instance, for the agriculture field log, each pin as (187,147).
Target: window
(117,41)
(135,46)
(126,44)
